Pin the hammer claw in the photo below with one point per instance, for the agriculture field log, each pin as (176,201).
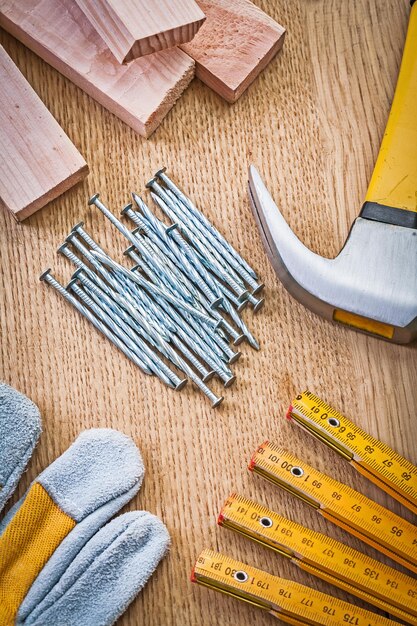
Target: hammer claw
(371,285)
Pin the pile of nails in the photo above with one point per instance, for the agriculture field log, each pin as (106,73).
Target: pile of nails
(176,312)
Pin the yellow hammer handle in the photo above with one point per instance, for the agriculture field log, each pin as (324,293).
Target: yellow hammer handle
(394,180)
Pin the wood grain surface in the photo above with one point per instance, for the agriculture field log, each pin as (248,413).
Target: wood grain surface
(141,93)
(312,124)
(133,28)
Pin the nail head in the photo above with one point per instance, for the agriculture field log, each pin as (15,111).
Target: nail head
(93,199)
(44,274)
(75,228)
(71,283)
(150,183)
(76,273)
(161,171)
(126,209)
(259,305)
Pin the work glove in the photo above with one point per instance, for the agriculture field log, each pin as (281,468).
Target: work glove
(62,563)
(20,427)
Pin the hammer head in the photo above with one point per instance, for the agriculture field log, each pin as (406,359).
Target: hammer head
(371,285)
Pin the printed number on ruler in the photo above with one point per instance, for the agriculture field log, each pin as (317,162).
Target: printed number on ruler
(339,503)
(291,602)
(377,461)
(322,556)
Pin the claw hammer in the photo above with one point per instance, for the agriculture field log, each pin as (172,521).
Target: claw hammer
(371,285)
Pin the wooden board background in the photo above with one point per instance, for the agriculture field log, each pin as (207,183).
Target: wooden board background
(312,123)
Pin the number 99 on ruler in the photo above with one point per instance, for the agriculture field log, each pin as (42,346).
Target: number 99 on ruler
(378,462)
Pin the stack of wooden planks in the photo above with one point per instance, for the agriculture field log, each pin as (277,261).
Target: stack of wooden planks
(136,57)
(134,29)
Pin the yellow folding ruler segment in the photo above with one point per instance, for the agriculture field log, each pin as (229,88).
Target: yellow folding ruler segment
(349,509)
(289,601)
(372,458)
(322,556)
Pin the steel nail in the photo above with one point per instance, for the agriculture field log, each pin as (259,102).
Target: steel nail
(114,299)
(65,251)
(169,275)
(158,266)
(204,255)
(241,325)
(184,335)
(154,289)
(224,374)
(197,270)
(177,249)
(257,303)
(177,252)
(186,216)
(222,255)
(216,263)
(99,267)
(158,233)
(201,341)
(134,344)
(141,327)
(203,219)
(48,278)
(110,309)
(140,244)
(137,329)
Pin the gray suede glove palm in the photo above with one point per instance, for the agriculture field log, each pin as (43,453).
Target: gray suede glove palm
(61,561)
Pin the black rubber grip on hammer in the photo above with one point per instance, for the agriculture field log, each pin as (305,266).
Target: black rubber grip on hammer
(389,215)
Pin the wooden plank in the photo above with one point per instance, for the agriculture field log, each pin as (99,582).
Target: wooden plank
(132,29)
(140,93)
(38,162)
(234,45)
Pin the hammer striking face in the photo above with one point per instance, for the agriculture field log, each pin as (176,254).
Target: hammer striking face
(372,284)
